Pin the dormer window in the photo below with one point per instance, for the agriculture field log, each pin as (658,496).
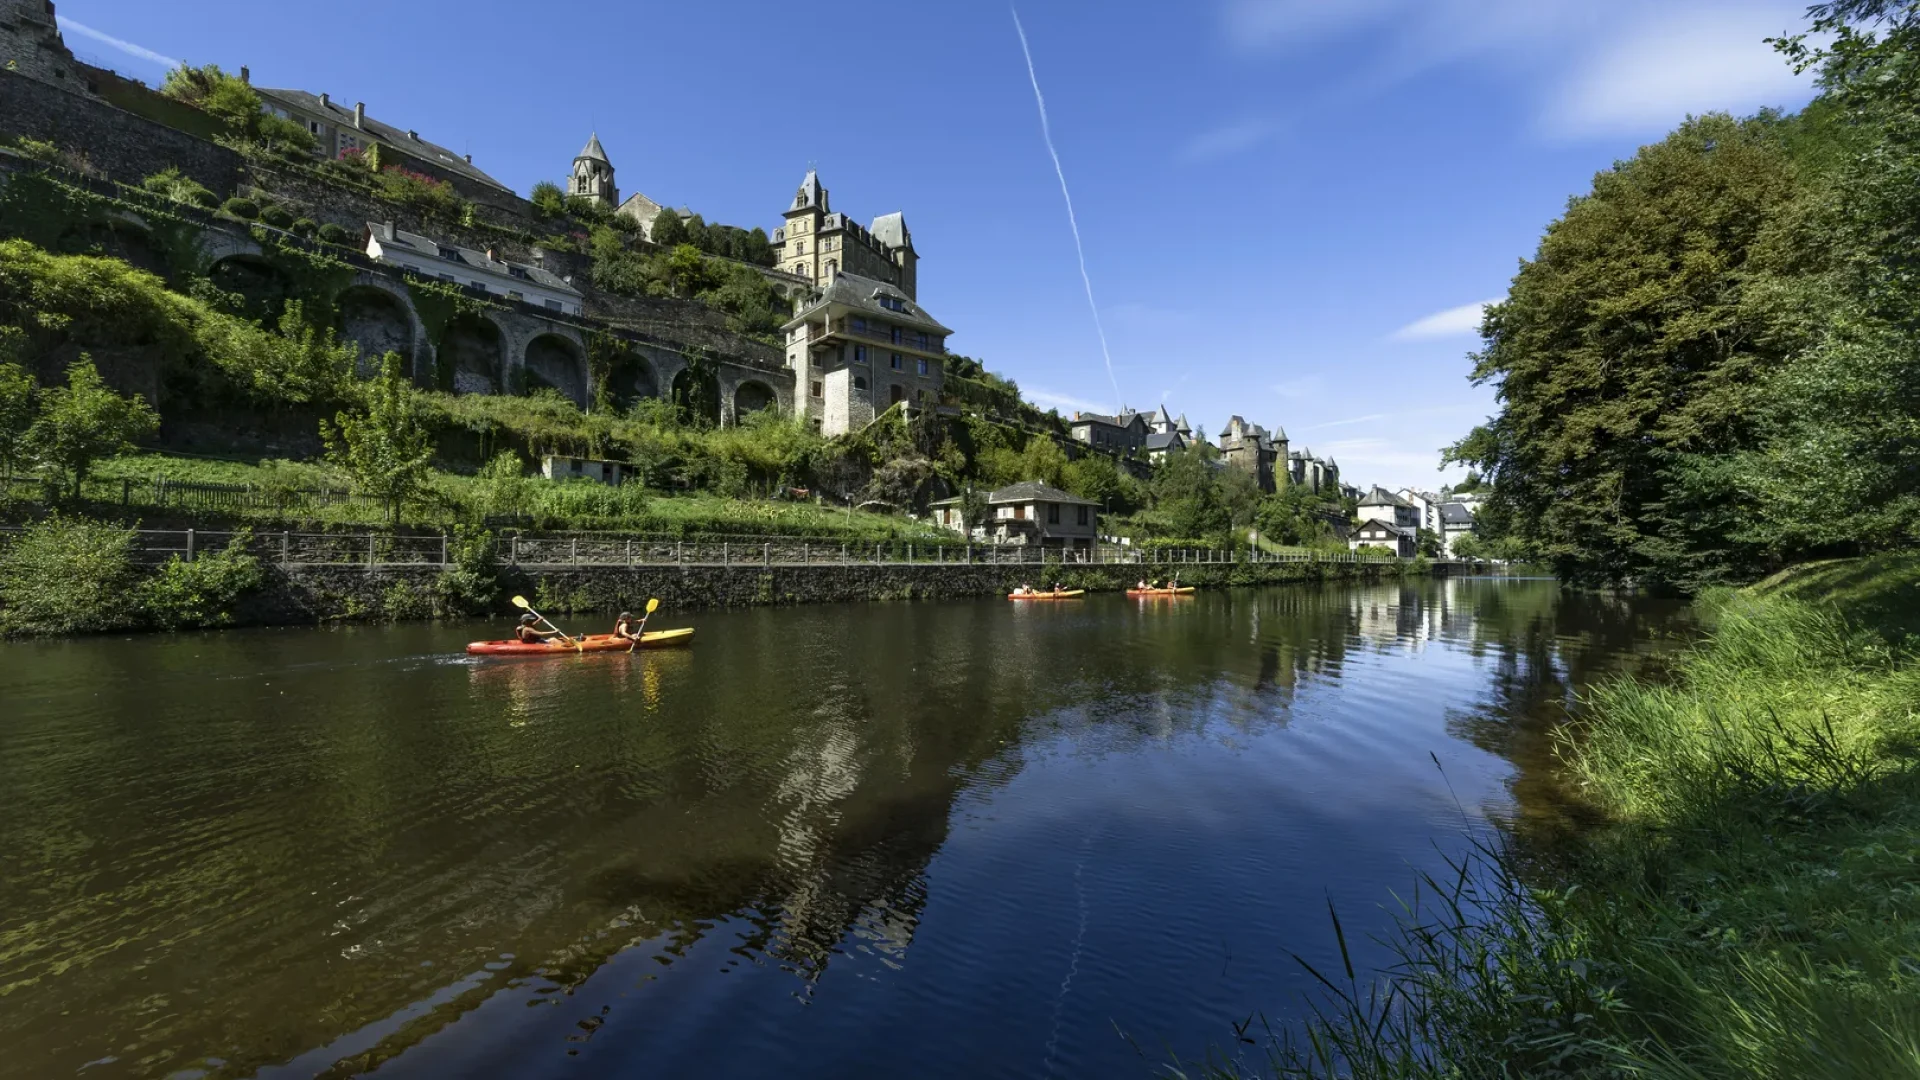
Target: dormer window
(450,253)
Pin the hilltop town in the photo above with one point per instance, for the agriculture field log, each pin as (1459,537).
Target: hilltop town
(268,196)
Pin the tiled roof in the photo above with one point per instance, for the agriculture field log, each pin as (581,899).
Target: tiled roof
(434,249)
(863,294)
(406,142)
(1035,491)
(1165,440)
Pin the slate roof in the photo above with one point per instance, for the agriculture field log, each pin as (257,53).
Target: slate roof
(434,249)
(593,149)
(433,153)
(891,230)
(1454,513)
(1035,491)
(1381,526)
(1380,496)
(862,294)
(1165,440)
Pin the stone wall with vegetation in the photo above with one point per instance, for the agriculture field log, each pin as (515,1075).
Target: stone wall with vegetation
(109,139)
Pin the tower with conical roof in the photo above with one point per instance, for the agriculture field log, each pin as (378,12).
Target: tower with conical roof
(593,175)
(820,245)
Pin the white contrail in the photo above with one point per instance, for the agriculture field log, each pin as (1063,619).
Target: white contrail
(1046,133)
(69,26)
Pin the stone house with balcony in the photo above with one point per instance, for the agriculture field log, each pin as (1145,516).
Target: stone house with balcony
(1031,512)
(857,348)
(818,244)
(1401,541)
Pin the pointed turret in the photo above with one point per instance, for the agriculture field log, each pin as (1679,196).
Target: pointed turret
(593,175)
(593,150)
(812,194)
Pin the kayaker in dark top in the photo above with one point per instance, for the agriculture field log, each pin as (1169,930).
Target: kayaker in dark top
(529,631)
(626,626)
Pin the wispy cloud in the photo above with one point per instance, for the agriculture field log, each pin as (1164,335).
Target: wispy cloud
(68,26)
(1367,419)
(1066,403)
(1229,139)
(1602,67)
(1453,322)
(1689,62)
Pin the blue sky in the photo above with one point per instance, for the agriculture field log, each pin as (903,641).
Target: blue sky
(1290,209)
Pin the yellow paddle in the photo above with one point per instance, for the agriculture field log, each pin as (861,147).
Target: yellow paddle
(521,602)
(653,604)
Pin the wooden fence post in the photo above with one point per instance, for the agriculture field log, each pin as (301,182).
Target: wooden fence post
(370,551)
(513,550)
(443,547)
(284,546)
(766,555)
(189,545)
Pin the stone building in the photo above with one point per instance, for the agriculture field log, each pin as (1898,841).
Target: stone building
(1031,512)
(30,45)
(818,244)
(1250,448)
(1383,505)
(859,346)
(1124,434)
(1317,476)
(592,177)
(471,269)
(338,129)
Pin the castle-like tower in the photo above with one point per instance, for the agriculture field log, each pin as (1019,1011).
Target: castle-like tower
(593,175)
(818,244)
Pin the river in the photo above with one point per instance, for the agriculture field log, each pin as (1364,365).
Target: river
(970,839)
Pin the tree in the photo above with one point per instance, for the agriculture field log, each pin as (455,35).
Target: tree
(549,199)
(759,249)
(16,415)
(84,421)
(231,100)
(1043,460)
(698,234)
(1467,546)
(1638,335)
(668,230)
(1429,544)
(384,444)
(685,270)
(1186,490)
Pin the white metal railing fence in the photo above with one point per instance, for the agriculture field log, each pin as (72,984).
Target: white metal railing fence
(378,549)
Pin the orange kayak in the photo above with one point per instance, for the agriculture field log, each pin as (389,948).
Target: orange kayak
(652,639)
(1184,590)
(1064,594)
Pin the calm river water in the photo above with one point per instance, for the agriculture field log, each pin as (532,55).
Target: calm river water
(970,839)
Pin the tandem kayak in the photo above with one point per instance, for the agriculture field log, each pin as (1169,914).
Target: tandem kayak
(1184,590)
(652,639)
(1064,594)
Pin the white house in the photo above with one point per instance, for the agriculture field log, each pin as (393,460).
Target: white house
(560,467)
(1456,520)
(468,268)
(1401,540)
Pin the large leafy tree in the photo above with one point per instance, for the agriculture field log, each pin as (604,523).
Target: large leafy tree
(1631,346)
(384,443)
(16,415)
(84,421)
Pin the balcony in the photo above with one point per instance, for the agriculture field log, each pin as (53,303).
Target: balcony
(844,328)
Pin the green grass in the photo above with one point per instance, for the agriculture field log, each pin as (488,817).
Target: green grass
(573,505)
(1750,908)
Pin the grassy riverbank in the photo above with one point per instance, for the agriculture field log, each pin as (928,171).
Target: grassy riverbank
(1751,908)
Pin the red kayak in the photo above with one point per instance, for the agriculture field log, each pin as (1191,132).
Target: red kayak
(652,639)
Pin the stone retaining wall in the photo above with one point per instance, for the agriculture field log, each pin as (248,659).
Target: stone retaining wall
(299,595)
(124,146)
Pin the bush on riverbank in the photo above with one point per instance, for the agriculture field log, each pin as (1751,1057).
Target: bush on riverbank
(72,575)
(1750,907)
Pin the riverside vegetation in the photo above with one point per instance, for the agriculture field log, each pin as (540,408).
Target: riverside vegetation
(1709,371)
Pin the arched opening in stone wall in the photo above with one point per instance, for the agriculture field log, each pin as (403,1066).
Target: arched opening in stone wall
(697,393)
(472,355)
(556,362)
(378,323)
(752,397)
(263,288)
(632,379)
(116,239)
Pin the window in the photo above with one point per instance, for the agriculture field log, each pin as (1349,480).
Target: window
(897,336)
(800,268)
(923,367)
(449,253)
(816,388)
(1053,513)
(518,271)
(799,247)
(859,324)
(859,382)
(895,394)
(1020,513)
(1083,515)
(554,304)
(923,341)
(482,286)
(446,277)
(859,354)
(895,362)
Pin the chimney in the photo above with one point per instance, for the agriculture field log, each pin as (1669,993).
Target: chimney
(359,114)
(324,101)
(245,75)
(491,257)
(412,134)
(469,159)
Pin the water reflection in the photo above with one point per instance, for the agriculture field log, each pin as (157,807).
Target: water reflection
(288,852)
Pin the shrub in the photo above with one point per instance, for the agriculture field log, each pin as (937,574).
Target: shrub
(471,582)
(183,595)
(277,216)
(37,149)
(305,227)
(241,208)
(66,575)
(334,234)
(170,183)
(549,199)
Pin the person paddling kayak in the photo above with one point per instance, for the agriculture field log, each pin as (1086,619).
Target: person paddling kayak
(626,627)
(529,632)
